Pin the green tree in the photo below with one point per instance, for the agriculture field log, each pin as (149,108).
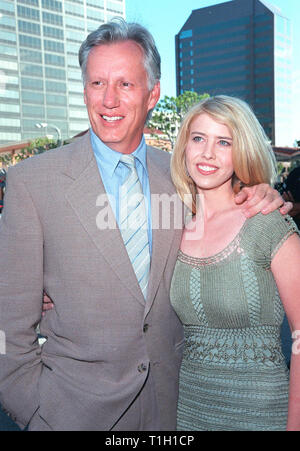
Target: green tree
(280,168)
(169,112)
(36,146)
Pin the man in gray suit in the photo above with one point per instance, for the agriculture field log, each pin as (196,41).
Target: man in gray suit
(113,346)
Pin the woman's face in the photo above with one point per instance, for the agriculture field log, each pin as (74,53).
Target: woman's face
(208,153)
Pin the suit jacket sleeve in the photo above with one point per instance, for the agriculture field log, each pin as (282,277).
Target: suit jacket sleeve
(21,294)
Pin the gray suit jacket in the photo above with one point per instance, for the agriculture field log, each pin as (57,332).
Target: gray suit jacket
(97,355)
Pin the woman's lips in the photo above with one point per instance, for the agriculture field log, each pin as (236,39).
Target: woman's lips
(206,169)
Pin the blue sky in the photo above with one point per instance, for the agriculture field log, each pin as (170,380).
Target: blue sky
(164,18)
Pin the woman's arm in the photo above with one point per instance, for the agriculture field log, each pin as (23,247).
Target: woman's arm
(286,270)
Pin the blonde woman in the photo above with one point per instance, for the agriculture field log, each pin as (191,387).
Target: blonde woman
(233,279)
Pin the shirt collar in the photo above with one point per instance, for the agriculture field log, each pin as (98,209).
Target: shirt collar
(109,158)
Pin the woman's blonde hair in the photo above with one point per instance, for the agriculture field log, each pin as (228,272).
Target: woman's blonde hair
(252,154)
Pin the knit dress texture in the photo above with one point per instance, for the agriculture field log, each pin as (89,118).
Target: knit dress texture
(233,375)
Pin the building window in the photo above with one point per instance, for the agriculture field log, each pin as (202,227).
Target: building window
(32,83)
(186,34)
(54,86)
(72,61)
(51,32)
(76,100)
(7,21)
(73,48)
(29,27)
(74,75)
(33,111)
(54,60)
(53,19)
(28,13)
(29,2)
(76,10)
(78,126)
(30,55)
(77,36)
(95,3)
(52,5)
(75,86)
(114,6)
(54,46)
(73,22)
(6,36)
(58,74)
(78,113)
(53,113)
(10,137)
(53,99)
(95,14)
(9,65)
(5,50)
(29,41)
(9,108)
(32,97)
(7,6)
(8,94)
(92,26)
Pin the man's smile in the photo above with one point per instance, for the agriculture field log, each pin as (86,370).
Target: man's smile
(111,118)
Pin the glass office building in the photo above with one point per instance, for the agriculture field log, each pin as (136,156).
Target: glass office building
(240,48)
(40,79)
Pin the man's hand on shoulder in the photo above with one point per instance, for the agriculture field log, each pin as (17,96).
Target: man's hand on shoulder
(263,199)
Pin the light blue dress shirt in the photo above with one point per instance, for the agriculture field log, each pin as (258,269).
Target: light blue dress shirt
(114,174)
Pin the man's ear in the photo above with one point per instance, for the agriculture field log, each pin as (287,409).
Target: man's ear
(154,96)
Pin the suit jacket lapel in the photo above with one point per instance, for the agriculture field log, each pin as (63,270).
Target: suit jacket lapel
(88,199)
(165,222)
(86,196)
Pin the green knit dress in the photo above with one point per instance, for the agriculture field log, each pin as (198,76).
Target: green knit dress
(233,375)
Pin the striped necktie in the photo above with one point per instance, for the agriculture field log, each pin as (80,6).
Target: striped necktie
(134,224)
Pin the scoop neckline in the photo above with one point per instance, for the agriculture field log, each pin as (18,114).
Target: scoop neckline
(219,255)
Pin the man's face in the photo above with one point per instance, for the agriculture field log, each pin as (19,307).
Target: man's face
(116,94)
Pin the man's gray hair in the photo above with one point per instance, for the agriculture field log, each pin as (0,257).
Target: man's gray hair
(117,30)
